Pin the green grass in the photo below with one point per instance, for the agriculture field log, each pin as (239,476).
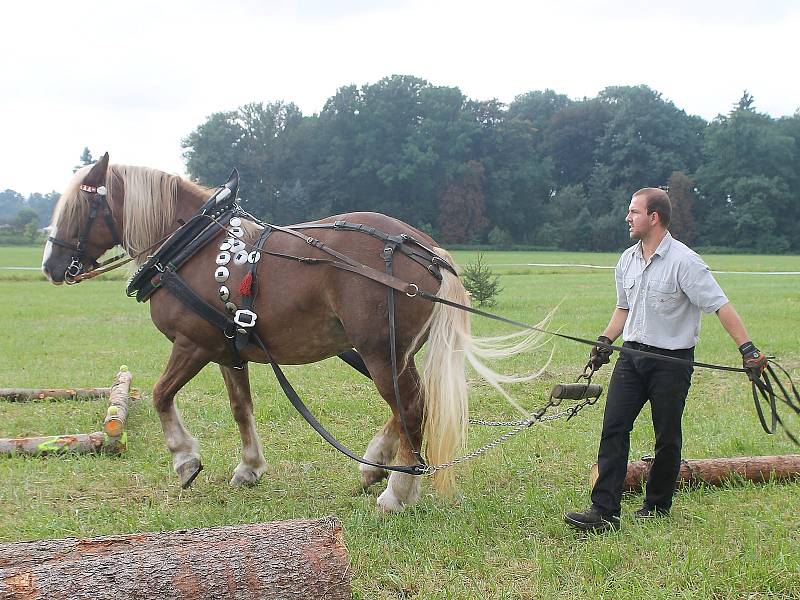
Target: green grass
(501,537)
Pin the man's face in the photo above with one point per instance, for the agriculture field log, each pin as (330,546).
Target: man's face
(639,222)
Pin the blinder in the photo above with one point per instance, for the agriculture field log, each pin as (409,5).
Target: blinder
(99,202)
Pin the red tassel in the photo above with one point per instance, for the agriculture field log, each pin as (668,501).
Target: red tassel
(247,283)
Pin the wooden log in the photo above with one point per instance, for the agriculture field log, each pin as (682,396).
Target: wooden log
(81,443)
(29,394)
(284,559)
(114,423)
(716,471)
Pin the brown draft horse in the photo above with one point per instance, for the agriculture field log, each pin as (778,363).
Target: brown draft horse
(305,314)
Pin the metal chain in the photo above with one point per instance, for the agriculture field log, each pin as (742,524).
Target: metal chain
(539,417)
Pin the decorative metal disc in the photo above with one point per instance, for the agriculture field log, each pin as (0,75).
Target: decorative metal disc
(225,246)
(223,258)
(254,257)
(240,257)
(237,246)
(224,293)
(237,231)
(221,274)
(231,307)
(235,222)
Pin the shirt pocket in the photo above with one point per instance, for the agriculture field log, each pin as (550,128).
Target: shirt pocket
(629,284)
(663,296)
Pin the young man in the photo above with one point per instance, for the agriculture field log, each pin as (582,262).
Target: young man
(662,287)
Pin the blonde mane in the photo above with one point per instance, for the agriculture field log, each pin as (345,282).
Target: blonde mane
(149,206)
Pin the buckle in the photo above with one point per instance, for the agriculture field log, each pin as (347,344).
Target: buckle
(245,318)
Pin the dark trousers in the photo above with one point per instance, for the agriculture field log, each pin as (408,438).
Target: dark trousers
(635,380)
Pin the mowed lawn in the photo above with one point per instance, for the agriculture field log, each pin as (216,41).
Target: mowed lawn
(502,536)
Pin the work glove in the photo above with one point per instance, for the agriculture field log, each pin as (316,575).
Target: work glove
(753,360)
(600,355)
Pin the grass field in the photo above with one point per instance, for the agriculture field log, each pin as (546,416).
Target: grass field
(501,537)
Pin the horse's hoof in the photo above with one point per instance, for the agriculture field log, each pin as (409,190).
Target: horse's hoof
(387,503)
(188,471)
(244,479)
(370,477)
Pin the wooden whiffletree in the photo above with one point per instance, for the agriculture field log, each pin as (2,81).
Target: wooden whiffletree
(716,471)
(284,559)
(111,440)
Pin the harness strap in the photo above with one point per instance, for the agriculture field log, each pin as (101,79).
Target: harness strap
(178,287)
(243,334)
(431,261)
(298,404)
(388,254)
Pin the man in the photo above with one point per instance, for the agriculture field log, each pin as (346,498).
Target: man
(662,287)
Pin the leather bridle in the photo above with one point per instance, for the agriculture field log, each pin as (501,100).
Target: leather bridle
(99,203)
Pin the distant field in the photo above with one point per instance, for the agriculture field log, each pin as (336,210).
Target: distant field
(502,537)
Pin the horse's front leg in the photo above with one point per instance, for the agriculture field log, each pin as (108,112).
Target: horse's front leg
(184,363)
(253,465)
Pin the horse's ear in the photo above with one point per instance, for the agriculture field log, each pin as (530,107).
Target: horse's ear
(97,174)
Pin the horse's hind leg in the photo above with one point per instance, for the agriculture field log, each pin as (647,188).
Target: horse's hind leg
(184,363)
(382,450)
(253,465)
(403,490)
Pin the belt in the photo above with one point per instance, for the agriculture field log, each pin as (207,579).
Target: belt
(647,348)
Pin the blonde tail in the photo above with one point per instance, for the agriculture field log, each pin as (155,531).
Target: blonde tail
(444,381)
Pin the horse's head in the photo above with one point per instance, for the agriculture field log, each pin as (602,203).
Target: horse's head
(83,226)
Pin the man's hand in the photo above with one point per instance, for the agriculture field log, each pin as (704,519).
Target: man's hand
(600,355)
(753,360)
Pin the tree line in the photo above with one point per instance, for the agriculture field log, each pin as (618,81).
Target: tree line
(544,171)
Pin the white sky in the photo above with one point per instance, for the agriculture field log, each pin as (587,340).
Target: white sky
(133,78)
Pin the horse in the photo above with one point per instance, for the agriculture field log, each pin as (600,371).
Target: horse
(305,313)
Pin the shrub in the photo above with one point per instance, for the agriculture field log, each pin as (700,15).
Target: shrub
(481,283)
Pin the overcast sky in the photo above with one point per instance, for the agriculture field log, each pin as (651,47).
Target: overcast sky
(134,78)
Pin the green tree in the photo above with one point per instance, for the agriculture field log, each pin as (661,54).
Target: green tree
(86,159)
(461,208)
(750,158)
(11,203)
(682,196)
(481,282)
(43,204)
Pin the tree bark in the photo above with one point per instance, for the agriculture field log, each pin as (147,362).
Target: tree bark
(117,412)
(284,559)
(716,471)
(82,443)
(28,394)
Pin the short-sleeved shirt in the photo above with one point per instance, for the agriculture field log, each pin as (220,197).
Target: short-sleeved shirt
(665,297)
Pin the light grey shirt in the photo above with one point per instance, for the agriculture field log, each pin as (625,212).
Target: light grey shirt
(664,297)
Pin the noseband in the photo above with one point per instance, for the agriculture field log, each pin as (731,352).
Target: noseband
(99,201)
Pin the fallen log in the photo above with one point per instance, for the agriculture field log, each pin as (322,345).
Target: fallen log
(82,443)
(29,394)
(114,423)
(282,559)
(716,471)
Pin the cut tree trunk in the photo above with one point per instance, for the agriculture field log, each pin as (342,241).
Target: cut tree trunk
(716,471)
(28,394)
(117,412)
(81,443)
(284,559)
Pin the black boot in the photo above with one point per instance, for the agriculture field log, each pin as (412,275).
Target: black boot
(646,512)
(591,520)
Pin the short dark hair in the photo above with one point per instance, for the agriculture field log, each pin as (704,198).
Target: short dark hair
(657,202)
